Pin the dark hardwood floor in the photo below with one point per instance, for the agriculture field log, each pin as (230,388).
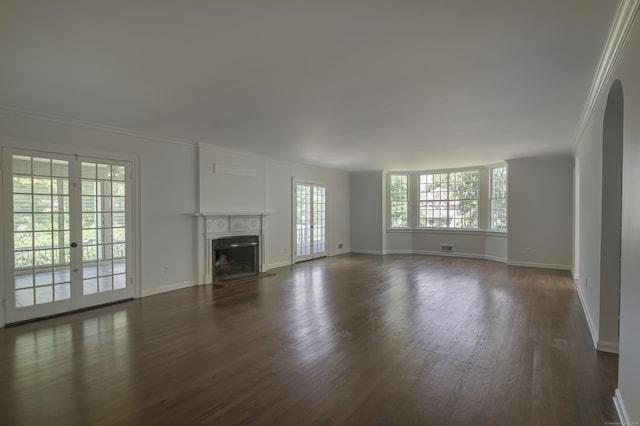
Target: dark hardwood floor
(353,339)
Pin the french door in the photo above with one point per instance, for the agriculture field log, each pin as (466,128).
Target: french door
(68,233)
(311,221)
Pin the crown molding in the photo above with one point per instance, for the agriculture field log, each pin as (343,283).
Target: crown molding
(620,29)
(92,126)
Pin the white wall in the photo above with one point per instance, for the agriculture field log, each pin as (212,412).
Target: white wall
(167,182)
(589,153)
(367,207)
(541,212)
(279,235)
(230,182)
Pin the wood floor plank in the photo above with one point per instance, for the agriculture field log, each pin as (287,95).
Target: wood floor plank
(353,339)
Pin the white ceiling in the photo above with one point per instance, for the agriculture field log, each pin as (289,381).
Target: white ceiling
(351,84)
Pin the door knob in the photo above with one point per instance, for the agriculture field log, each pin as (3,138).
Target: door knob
(74,244)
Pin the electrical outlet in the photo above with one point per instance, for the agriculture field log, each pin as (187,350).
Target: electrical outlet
(340,245)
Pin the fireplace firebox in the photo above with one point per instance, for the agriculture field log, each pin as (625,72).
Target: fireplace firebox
(235,258)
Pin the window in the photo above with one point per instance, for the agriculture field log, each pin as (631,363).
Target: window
(498,221)
(449,200)
(399,198)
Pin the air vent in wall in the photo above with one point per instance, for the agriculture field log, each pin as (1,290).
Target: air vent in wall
(447,248)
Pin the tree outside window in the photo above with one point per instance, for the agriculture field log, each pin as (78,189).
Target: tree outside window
(399,197)
(499,199)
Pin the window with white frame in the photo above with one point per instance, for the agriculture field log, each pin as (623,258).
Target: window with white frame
(498,218)
(449,200)
(399,200)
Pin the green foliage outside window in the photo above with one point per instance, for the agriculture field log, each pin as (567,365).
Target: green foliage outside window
(449,200)
(499,198)
(399,196)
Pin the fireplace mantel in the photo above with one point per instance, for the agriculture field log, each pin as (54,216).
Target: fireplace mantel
(219,225)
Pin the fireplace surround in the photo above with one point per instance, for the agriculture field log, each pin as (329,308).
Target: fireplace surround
(217,227)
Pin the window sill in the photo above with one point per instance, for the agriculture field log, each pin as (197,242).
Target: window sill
(484,232)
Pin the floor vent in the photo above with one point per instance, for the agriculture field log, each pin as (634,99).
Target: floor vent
(447,248)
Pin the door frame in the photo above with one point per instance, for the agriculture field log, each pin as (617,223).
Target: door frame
(11,144)
(294,214)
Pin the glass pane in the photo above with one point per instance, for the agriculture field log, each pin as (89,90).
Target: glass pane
(62,291)
(43,257)
(42,221)
(22,222)
(104,171)
(22,203)
(23,279)
(23,259)
(89,203)
(119,281)
(119,250)
(42,239)
(22,184)
(22,241)
(118,220)
(42,185)
(88,220)
(118,234)
(88,170)
(41,166)
(118,189)
(44,277)
(21,165)
(118,204)
(24,297)
(42,203)
(90,286)
(44,294)
(60,168)
(117,172)
(105,284)
(88,187)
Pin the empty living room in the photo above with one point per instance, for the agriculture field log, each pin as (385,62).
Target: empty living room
(285,212)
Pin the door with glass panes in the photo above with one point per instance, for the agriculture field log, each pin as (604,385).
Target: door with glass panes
(311,221)
(68,225)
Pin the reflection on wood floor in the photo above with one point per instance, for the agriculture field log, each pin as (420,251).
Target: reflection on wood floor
(353,339)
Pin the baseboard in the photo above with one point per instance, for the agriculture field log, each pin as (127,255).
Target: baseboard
(278,265)
(587,315)
(540,265)
(399,252)
(496,258)
(576,276)
(339,252)
(166,288)
(610,347)
(625,419)
(359,251)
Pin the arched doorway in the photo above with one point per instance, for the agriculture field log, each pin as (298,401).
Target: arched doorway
(610,249)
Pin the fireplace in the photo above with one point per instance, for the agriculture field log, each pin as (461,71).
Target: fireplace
(222,230)
(235,257)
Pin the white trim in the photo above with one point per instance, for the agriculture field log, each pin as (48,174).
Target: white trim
(540,265)
(375,252)
(167,287)
(617,36)
(496,258)
(92,126)
(618,401)
(587,314)
(456,254)
(339,252)
(609,347)
(278,265)
(450,231)
(576,276)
